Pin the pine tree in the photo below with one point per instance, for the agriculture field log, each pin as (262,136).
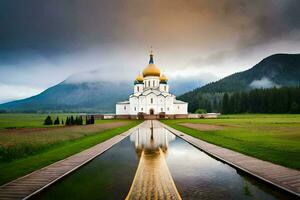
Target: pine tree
(67,121)
(76,120)
(225,104)
(92,119)
(80,120)
(295,108)
(72,120)
(87,121)
(56,122)
(48,121)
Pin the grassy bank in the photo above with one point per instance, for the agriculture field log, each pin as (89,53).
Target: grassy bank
(275,138)
(52,152)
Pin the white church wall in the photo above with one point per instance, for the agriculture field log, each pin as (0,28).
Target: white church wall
(161,104)
(151,103)
(122,109)
(169,105)
(180,108)
(134,108)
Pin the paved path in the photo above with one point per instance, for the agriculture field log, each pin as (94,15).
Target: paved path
(285,178)
(34,182)
(153,179)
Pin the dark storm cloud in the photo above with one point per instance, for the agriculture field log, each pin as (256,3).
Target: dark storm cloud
(39,38)
(270,21)
(74,24)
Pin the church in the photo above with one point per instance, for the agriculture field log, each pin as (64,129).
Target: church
(151,96)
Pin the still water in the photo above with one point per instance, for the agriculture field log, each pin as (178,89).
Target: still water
(195,174)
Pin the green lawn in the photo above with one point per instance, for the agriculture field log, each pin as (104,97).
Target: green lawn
(275,138)
(21,120)
(31,147)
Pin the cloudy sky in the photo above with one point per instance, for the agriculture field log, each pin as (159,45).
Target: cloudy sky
(44,42)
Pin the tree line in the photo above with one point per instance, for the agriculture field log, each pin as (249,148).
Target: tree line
(206,102)
(70,120)
(272,100)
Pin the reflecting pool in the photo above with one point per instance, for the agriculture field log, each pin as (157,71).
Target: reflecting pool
(116,173)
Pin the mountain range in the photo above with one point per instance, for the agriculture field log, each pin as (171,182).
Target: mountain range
(86,96)
(100,96)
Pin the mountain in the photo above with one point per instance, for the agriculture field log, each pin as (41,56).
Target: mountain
(274,71)
(85,96)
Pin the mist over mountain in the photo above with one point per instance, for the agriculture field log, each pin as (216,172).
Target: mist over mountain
(86,92)
(274,71)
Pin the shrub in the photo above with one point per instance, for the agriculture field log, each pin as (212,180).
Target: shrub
(200,111)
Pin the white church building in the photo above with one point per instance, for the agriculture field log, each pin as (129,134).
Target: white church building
(151,96)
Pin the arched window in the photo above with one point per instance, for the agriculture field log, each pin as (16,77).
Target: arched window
(138,88)
(165,88)
(124,107)
(153,83)
(151,100)
(148,83)
(162,110)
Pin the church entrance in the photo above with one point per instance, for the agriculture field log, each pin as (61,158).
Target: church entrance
(151,111)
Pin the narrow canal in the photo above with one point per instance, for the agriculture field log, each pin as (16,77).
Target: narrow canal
(154,163)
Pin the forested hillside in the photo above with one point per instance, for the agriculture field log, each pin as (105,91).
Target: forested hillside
(274,100)
(279,70)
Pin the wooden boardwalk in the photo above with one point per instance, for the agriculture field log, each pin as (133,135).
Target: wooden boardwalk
(282,177)
(26,186)
(153,179)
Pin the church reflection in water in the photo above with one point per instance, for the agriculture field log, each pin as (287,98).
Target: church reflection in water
(151,139)
(152,179)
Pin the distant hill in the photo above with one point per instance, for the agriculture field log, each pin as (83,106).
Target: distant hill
(96,96)
(274,71)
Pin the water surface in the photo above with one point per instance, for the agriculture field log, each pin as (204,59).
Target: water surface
(196,174)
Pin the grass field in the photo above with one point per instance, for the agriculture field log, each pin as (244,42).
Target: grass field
(31,146)
(275,138)
(20,120)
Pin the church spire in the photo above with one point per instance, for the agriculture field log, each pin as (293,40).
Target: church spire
(151,61)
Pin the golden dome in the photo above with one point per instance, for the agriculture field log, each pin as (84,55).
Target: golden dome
(151,69)
(139,78)
(163,78)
